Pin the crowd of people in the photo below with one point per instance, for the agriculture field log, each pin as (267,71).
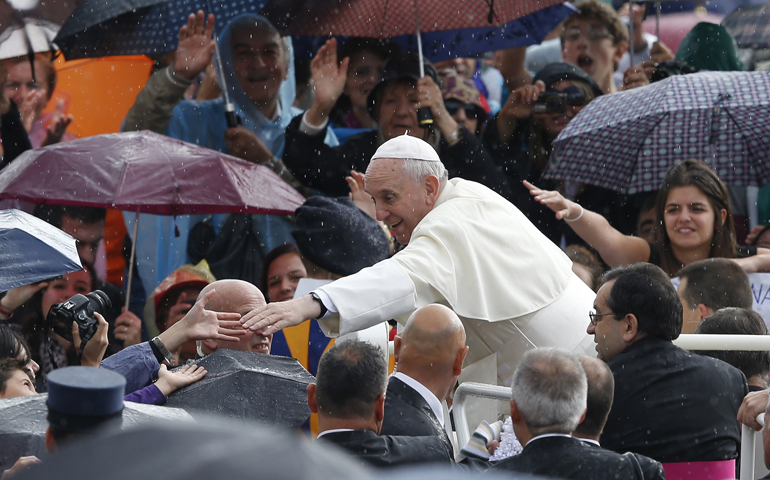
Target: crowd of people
(568,293)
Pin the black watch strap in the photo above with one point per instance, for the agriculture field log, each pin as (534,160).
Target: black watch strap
(321,303)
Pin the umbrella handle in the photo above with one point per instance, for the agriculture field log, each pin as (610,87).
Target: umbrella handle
(131,262)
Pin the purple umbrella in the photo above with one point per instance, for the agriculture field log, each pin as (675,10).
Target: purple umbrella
(145,172)
(626,141)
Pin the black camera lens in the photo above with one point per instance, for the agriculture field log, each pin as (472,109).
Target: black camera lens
(100,302)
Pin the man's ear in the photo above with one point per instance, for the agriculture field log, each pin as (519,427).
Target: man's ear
(630,326)
(620,50)
(432,189)
(379,407)
(312,401)
(459,360)
(210,344)
(396,347)
(705,311)
(516,416)
(50,442)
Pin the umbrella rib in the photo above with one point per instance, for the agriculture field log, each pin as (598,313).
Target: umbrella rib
(646,135)
(752,157)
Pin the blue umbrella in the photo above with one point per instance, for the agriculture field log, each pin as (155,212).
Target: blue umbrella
(469,42)
(99,28)
(32,250)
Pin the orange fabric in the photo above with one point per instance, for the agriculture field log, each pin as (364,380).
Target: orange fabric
(114,233)
(98,92)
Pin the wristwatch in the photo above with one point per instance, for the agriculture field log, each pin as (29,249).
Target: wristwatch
(317,298)
(163,350)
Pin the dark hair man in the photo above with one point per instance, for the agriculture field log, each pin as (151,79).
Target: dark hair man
(548,400)
(349,398)
(708,285)
(659,408)
(755,365)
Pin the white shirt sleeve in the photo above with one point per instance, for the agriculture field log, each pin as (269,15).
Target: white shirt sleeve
(371,296)
(308,129)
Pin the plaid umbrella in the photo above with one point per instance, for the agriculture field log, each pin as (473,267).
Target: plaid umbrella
(750,25)
(626,141)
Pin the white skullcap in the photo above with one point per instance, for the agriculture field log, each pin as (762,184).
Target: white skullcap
(411,148)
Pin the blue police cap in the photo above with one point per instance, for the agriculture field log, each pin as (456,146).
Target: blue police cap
(84,398)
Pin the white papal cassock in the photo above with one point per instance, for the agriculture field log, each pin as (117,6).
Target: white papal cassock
(478,254)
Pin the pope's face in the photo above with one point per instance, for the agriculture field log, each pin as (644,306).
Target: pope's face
(400,202)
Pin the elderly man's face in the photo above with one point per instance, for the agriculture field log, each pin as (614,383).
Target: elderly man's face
(251,342)
(398,110)
(259,62)
(400,202)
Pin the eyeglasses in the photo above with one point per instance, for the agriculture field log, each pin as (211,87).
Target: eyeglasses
(592,315)
(592,34)
(574,96)
(471,111)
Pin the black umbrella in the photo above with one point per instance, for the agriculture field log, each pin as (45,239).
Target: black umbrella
(23,424)
(212,449)
(264,388)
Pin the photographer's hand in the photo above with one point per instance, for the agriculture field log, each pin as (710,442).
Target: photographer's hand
(94,350)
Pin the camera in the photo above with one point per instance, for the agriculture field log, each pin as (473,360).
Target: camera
(80,309)
(551,102)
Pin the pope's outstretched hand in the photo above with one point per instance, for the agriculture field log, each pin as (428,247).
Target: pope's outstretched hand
(276,316)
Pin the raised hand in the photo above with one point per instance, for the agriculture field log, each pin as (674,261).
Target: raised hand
(57,126)
(329,80)
(555,201)
(196,45)
(276,316)
(359,196)
(128,327)
(93,352)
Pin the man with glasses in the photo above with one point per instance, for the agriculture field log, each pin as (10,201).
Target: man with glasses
(595,40)
(669,405)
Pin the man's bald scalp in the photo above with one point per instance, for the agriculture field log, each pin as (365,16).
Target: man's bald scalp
(229,292)
(432,329)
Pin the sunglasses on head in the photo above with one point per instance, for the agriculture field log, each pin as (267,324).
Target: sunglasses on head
(453,106)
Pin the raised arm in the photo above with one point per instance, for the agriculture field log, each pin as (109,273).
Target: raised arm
(615,248)
(165,89)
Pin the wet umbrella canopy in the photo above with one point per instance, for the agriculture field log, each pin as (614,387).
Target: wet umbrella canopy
(247,385)
(147,172)
(23,423)
(31,250)
(211,449)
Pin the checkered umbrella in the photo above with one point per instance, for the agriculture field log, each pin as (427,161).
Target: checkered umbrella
(750,25)
(626,141)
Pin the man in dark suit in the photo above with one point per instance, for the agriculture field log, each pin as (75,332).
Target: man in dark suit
(670,405)
(349,397)
(548,401)
(429,355)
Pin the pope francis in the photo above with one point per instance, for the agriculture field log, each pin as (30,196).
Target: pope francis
(467,248)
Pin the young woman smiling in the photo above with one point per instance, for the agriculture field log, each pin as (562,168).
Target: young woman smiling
(692,206)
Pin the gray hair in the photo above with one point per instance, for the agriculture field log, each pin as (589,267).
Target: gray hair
(550,390)
(419,169)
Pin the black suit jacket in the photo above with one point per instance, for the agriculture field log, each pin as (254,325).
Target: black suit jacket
(573,459)
(408,413)
(388,450)
(674,406)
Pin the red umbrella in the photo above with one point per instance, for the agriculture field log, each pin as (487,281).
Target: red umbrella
(380,19)
(148,173)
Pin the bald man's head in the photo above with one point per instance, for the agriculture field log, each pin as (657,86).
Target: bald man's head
(236,296)
(601,391)
(431,348)
(433,330)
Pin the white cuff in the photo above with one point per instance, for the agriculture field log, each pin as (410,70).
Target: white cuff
(308,129)
(328,303)
(177,80)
